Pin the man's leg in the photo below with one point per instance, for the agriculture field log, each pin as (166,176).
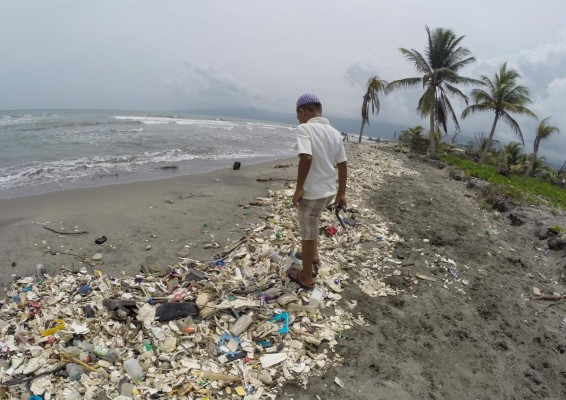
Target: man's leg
(308,250)
(309,218)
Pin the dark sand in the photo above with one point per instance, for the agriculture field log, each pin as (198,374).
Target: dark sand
(432,343)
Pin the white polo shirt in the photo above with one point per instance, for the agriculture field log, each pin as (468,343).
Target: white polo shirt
(324,144)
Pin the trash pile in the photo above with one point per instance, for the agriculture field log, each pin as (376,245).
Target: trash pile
(229,327)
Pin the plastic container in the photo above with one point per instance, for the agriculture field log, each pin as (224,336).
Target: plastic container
(40,271)
(134,370)
(242,324)
(106,353)
(74,371)
(316,297)
(276,257)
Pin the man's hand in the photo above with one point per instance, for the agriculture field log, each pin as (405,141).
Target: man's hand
(340,201)
(297,196)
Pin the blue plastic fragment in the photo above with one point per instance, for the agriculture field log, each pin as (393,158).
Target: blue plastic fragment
(85,289)
(281,320)
(265,343)
(27,289)
(453,273)
(224,340)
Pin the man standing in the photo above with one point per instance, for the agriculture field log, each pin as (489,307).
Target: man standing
(320,148)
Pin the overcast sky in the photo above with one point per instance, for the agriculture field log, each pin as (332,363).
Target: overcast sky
(173,55)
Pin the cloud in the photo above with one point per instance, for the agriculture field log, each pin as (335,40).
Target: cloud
(205,85)
(359,72)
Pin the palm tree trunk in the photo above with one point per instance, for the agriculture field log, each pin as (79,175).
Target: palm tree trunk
(431,135)
(487,144)
(531,164)
(361,131)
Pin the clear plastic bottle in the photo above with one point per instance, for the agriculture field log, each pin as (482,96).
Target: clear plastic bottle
(276,257)
(74,371)
(242,324)
(134,370)
(40,271)
(316,297)
(106,353)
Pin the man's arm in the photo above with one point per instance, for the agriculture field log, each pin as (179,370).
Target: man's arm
(342,178)
(305,161)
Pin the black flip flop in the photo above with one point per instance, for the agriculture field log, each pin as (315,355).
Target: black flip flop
(295,276)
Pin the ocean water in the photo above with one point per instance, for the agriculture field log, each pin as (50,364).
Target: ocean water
(46,151)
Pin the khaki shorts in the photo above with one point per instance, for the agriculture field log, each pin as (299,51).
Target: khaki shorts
(309,216)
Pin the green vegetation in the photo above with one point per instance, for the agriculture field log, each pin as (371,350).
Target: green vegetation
(407,135)
(558,229)
(514,186)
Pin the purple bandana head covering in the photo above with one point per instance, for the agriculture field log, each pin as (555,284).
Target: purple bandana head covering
(307,98)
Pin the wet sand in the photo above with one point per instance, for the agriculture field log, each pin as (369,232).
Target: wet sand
(183,213)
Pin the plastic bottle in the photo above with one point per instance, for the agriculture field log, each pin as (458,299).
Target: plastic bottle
(74,371)
(106,353)
(242,324)
(134,370)
(316,297)
(276,257)
(40,271)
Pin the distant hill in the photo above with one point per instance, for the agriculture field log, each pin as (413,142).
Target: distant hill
(376,128)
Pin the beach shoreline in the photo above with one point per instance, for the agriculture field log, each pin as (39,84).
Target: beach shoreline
(441,285)
(146,223)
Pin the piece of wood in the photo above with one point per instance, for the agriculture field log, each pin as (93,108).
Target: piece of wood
(67,356)
(65,233)
(549,297)
(271,179)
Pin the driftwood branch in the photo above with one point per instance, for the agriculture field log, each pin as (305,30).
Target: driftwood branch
(549,297)
(64,233)
(271,179)
(68,357)
(238,244)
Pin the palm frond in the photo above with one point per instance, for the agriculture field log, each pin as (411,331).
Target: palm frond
(513,125)
(454,91)
(450,112)
(417,59)
(544,130)
(475,108)
(403,83)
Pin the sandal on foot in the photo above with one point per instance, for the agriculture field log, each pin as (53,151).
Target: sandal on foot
(295,276)
(298,259)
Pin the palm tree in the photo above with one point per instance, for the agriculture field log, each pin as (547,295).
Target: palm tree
(544,131)
(539,166)
(407,135)
(514,152)
(375,85)
(443,58)
(503,96)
